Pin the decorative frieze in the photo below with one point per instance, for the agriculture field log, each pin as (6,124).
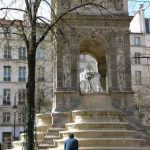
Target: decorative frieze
(117,22)
(108,4)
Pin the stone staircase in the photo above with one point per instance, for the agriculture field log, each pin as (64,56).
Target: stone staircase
(97,130)
(43,122)
(53,133)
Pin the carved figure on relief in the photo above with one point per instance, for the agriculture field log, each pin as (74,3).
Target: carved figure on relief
(105,3)
(121,73)
(67,99)
(66,66)
(66,3)
(118,4)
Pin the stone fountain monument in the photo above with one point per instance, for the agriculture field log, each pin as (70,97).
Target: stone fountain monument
(104,35)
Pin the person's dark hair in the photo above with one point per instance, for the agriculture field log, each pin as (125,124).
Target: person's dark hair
(71,135)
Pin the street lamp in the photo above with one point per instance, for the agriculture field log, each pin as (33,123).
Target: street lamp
(15,109)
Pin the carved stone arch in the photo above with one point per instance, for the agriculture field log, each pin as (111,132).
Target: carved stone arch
(98,49)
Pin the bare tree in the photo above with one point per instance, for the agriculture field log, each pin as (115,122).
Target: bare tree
(28,30)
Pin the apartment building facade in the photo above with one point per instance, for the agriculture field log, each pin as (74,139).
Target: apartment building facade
(13,78)
(140,62)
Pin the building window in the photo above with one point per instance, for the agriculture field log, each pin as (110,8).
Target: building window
(7,73)
(7,32)
(22,53)
(41,53)
(147,25)
(21,96)
(22,74)
(6,117)
(40,74)
(7,52)
(6,96)
(137,41)
(21,118)
(138,77)
(137,58)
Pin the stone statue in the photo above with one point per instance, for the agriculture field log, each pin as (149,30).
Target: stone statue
(66,63)
(90,81)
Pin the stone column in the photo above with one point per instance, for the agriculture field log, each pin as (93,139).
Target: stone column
(67,89)
(127,61)
(113,62)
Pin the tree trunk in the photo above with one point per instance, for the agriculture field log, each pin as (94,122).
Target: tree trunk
(31,98)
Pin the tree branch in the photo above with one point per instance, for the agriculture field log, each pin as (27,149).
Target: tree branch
(62,15)
(27,5)
(36,5)
(24,35)
(52,10)
(28,9)
(15,9)
(41,18)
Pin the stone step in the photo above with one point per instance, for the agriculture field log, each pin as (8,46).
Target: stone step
(97,125)
(99,133)
(45,146)
(105,142)
(48,139)
(104,148)
(18,143)
(111,148)
(147,127)
(54,131)
(96,115)
(39,135)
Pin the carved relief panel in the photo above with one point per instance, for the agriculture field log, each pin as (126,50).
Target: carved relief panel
(109,4)
(121,70)
(66,4)
(118,4)
(67,99)
(66,67)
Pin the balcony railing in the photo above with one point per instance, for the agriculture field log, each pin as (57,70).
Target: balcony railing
(21,102)
(6,103)
(22,57)
(41,79)
(144,81)
(7,79)
(7,56)
(21,79)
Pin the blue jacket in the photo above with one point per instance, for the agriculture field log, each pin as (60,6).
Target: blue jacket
(71,144)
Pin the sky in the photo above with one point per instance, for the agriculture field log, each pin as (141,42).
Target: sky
(133,6)
(44,10)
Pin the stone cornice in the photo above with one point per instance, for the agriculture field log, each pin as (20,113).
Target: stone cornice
(107,21)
